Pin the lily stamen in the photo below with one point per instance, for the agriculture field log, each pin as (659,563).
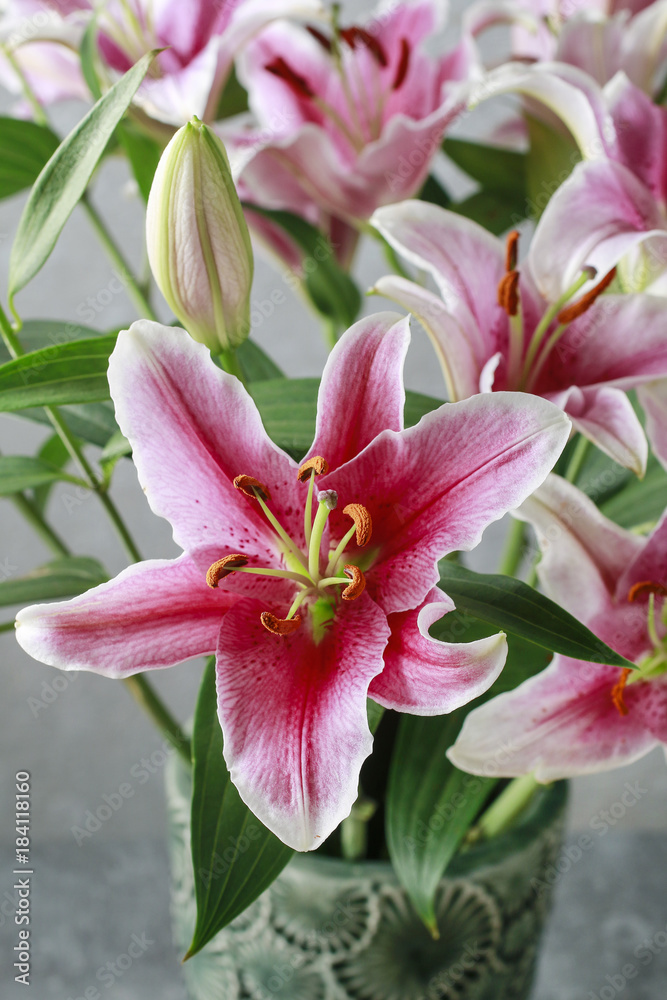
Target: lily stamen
(617,692)
(257,491)
(279,626)
(579,307)
(357,585)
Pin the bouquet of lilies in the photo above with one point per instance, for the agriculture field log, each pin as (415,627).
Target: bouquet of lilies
(358,671)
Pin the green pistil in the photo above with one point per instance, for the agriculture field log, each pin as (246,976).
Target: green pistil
(284,574)
(324,509)
(652,624)
(546,321)
(308,512)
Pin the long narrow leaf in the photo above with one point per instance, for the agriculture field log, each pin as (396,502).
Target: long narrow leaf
(235,857)
(65,177)
(65,373)
(60,578)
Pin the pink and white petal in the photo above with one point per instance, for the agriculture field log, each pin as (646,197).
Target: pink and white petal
(413,20)
(361,392)
(605,416)
(572,95)
(599,214)
(653,398)
(557,725)
(644,46)
(460,368)
(424,676)
(592,43)
(641,127)
(435,487)
(154,614)
(193,429)
(583,553)
(595,350)
(649,564)
(175,96)
(465,260)
(648,701)
(293,716)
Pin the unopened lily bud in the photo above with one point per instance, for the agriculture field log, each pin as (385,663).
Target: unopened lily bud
(197,239)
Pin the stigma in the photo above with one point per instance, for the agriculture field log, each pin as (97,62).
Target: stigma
(319,579)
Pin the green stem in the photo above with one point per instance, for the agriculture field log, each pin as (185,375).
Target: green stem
(7,626)
(145,696)
(330,329)
(106,239)
(33,516)
(513,553)
(230,364)
(578,458)
(29,93)
(510,803)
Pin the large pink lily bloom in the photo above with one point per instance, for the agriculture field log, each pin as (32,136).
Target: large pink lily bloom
(348,121)
(583,364)
(201,40)
(577,717)
(300,644)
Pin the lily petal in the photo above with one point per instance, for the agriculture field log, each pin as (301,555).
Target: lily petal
(583,553)
(435,487)
(154,614)
(559,724)
(361,392)
(293,716)
(424,676)
(653,398)
(606,417)
(193,429)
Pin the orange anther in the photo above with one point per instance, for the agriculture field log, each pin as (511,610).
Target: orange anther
(316,463)
(646,587)
(279,626)
(252,487)
(362,521)
(223,567)
(508,292)
(579,307)
(618,690)
(357,585)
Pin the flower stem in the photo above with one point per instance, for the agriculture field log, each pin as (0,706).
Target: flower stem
(145,696)
(28,92)
(106,239)
(7,626)
(510,803)
(578,458)
(513,553)
(230,364)
(33,516)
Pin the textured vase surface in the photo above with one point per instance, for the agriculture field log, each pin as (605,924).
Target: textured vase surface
(332,930)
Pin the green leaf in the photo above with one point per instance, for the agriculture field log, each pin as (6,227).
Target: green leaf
(26,148)
(235,858)
(65,177)
(430,806)
(499,171)
(640,501)
(60,578)
(288,408)
(66,373)
(550,160)
(434,192)
(117,447)
(143,154)
(514,607)
(234,98)
(53,452)
(91,422)
(255,363)
(19,472)
(430,803)
(331,291)
(495,212)
(38,333)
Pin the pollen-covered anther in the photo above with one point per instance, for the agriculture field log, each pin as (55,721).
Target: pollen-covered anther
(645,587)
(618,690)
(317,464)
(223,567)
(579,307)
(252,487)
(362,522)
(508,292)
(279,626)
(357,585)
(297,83)
(403,65)
(512,250)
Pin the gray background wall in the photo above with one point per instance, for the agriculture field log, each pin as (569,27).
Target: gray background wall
(85,741)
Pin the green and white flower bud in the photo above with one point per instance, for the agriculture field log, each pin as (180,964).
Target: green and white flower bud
(197,239)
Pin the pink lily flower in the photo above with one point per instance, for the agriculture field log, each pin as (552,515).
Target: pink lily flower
(201,39)
(349,120)
(306,615)
(492,329)
(577,717)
